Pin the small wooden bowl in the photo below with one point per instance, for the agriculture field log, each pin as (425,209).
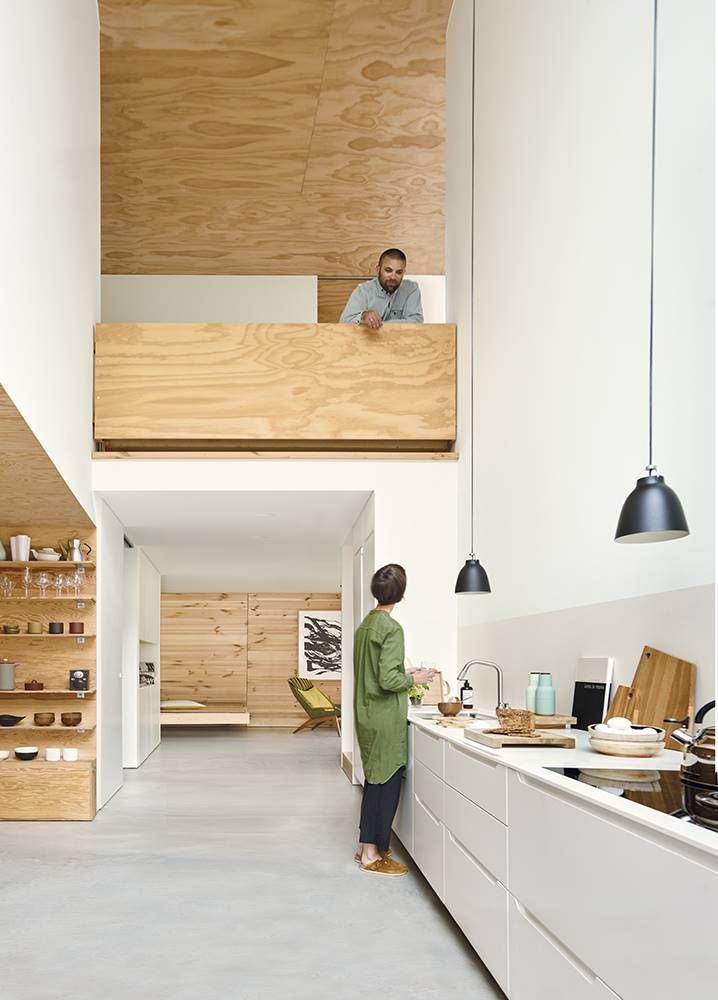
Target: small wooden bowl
(44,718)
(630,749)
(71,718)
(449,707)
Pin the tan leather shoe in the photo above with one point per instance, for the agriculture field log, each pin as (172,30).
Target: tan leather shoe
(385,866)
(357,857)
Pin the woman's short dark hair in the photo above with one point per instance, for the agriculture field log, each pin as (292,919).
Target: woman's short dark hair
(389,583)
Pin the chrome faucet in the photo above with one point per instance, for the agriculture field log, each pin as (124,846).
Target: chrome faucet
(499,677)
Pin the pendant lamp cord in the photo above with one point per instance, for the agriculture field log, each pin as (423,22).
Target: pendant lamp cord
(651,467)
(473,263)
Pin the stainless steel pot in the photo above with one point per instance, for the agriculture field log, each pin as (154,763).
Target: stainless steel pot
(699,780)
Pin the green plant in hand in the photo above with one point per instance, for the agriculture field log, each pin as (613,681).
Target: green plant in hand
(417,691)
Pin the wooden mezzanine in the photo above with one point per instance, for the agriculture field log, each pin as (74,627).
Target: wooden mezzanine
(275,388)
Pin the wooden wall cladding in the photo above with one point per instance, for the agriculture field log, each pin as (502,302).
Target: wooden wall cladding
(273,645)
(271,136)
(332,295)
(268,384)
(32,491)
(203,657)
(203,638)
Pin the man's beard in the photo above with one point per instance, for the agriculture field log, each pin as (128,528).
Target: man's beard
(389,288)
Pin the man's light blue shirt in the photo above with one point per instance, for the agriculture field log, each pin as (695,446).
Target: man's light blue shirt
(402,306)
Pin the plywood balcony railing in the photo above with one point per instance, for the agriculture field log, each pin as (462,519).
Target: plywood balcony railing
(275,387)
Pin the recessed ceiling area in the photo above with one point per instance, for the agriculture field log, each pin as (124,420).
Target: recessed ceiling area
(254,541)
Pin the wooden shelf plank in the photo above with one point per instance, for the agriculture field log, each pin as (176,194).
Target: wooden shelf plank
(47,693)
(56,727)
(48,635)
(36,563)
(61,597)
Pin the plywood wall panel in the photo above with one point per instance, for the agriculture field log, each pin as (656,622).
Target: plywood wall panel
(273,642)
(332,295)
(272,137)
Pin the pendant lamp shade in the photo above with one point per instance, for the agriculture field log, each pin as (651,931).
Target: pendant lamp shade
(472,578)
(651,513)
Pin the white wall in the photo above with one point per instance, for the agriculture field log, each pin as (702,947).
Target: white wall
(208,298)
(562,225)
(50,246)
(110,547)
(433,296)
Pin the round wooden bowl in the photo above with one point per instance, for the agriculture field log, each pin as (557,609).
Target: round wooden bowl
(449,707)
(614,748)
(636,734)
(71,718)
(44,718)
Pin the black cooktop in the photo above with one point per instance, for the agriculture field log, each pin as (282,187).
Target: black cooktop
(659,790)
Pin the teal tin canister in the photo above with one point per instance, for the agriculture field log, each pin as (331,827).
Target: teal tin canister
(531,691)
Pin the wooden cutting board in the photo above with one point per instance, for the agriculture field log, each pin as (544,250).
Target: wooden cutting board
(625,704)
(542,738)
(666,687)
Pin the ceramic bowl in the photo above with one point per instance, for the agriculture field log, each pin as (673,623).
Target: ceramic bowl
(71,718)
(449,707)
(4,754)
(636,734)
(26,753)
(48,557)
(10,720)
(626,749)
(44,718)
(11,629)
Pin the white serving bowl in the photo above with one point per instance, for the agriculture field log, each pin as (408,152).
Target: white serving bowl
(4,754)
(47,557)
(626,748)
(636,734)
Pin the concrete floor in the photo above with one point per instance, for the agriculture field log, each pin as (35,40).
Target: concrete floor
(222,871)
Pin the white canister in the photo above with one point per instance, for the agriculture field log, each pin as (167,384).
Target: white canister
(70,753)
(53,753)
(20,548)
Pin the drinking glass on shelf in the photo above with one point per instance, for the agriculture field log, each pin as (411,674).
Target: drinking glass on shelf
(42,582)
(58,583)
(79,577)
(6,583)
(26,580)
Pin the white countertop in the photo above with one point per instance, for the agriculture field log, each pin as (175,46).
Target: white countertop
(533,761)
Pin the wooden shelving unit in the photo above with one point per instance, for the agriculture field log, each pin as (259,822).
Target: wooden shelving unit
(40,789)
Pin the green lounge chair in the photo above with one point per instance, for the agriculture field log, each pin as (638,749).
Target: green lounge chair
(315,703)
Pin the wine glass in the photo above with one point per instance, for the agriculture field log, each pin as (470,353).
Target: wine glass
(58,583)
(26,579)
(79,580)
(7,584)
(42,582)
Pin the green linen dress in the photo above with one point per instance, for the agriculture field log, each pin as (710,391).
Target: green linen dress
(380,700)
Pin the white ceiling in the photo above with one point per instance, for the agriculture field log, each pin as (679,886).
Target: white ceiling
(241,541)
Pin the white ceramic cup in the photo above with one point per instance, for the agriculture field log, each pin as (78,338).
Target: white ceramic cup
(53,753)
(20,548)
(70,753)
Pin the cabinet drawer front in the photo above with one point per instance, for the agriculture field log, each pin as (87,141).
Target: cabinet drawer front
(483,836)
(478,903)
(429,749)
(540,968)
(430,790)
(403,824)
(429,846)
(481,780)
(603,886)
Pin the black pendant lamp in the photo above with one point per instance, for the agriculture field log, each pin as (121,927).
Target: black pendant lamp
(652,512)
(472,578)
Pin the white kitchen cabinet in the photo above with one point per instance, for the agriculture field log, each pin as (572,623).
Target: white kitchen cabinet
(483,836)
(479,779)
(478,902)
(541,968)
(149,600)
(613,892)
(428,828)
(403,825)
(429,749)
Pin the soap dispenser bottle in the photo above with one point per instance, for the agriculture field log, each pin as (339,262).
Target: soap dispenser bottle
(467,695)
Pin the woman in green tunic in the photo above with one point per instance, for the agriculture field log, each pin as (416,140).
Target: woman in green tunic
(380,710)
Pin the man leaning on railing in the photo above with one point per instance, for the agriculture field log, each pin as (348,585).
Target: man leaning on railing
(387,298)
